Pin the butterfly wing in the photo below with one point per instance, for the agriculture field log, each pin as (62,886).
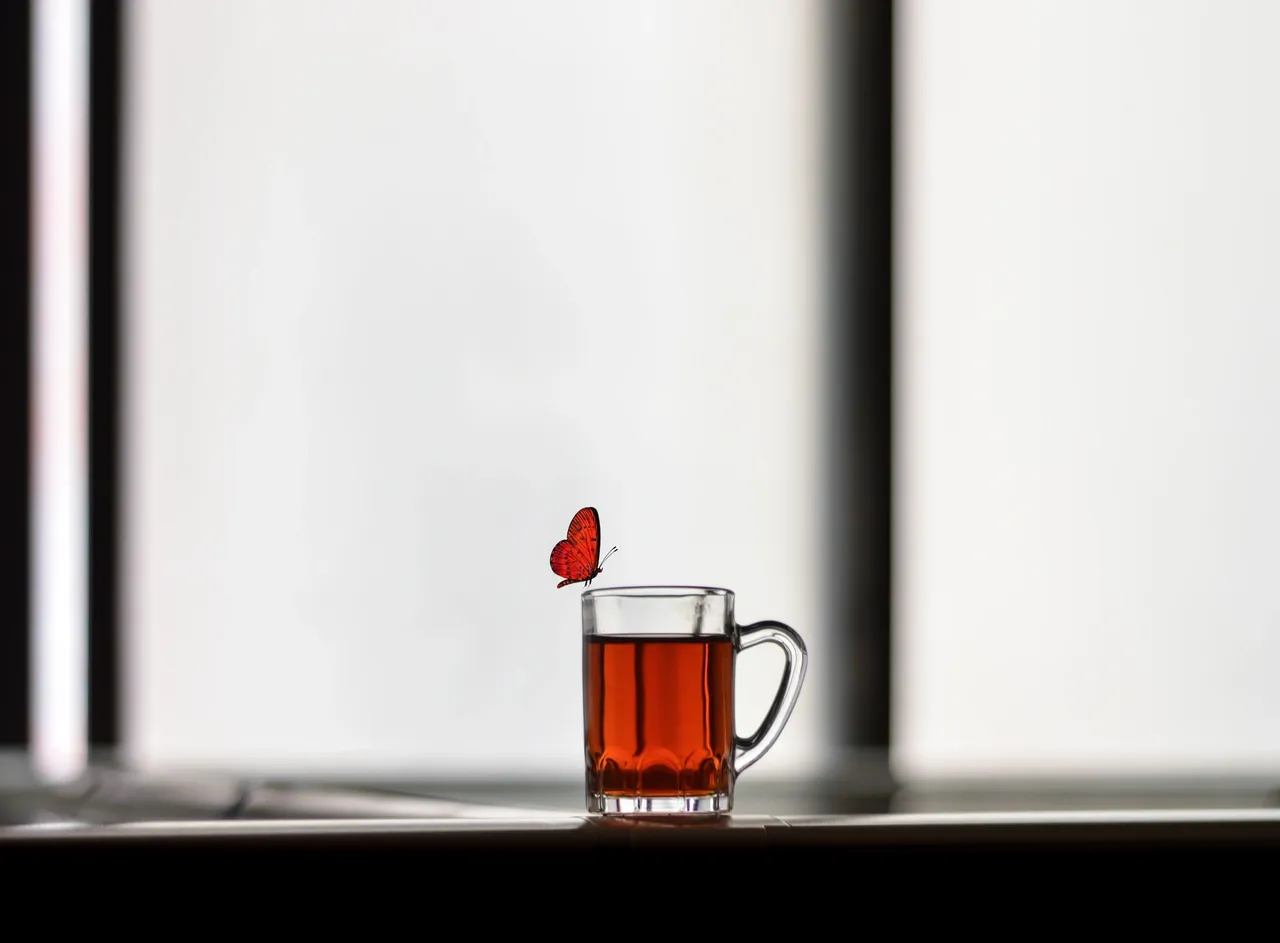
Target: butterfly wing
(577,557)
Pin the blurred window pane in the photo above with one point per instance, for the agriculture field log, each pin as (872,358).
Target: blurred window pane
(409,283)
(1088,388)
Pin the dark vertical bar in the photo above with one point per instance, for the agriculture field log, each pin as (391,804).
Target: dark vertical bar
(15,371)
(860,149)
(105,61)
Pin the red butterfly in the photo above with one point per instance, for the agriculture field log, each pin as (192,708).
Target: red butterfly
(577,558)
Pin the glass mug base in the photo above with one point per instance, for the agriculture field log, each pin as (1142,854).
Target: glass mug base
(714,804)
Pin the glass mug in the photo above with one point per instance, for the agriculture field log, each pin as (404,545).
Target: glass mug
(658,702)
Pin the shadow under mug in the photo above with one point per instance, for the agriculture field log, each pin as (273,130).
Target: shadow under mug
(658,698)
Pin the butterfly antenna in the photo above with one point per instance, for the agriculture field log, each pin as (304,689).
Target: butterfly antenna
(608,555)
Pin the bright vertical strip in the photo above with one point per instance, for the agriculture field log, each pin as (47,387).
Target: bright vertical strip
(59,734)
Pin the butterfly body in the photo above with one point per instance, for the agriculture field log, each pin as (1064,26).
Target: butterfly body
(577,557)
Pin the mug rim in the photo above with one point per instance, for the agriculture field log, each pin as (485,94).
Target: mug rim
(656,592)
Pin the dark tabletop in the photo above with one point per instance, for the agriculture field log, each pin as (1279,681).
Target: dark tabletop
(113,808)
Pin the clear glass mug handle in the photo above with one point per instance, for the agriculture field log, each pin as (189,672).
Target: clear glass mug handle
(750,749)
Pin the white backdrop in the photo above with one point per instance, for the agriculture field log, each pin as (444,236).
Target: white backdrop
(1089,398)
(409,283)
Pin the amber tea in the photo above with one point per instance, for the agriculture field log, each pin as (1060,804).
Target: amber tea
(659,716)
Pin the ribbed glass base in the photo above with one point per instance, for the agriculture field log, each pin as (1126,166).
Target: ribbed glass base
(660,805)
